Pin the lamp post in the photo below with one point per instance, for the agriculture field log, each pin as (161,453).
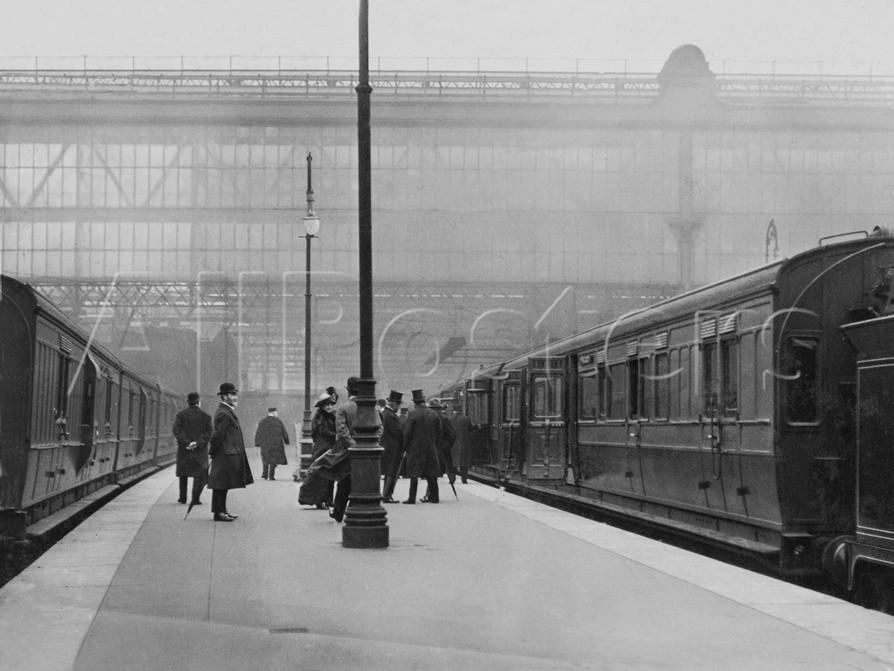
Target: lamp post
(365,519)
(311,228)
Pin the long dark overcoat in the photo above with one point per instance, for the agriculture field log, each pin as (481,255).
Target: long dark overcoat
(192,424)
(391,440)
(446,440)
(334,463)
(229,464)
(462,451)
(272,438)
(322,430)
(421,430)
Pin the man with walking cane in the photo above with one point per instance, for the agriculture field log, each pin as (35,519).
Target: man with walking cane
(229,463)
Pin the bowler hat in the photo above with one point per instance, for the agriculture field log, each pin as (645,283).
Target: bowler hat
(323,399)
(271,409)
(418,396)
(395,397)
(227,388)
(192,398)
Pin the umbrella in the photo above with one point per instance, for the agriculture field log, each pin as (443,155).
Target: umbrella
(195,498)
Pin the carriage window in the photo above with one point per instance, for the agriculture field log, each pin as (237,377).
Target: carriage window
(637,373)
(800,370)
(729,371)
(511,403)
(616,387)
(476,407)
(603,385)
(589,396)
(547,397)
(709,386)
(661,386)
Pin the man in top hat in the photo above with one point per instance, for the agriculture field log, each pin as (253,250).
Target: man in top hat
(271,437)
(420,443)
(229,463)
(192,429)
(391,441)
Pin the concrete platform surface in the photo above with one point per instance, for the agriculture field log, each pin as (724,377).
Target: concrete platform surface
(491,581)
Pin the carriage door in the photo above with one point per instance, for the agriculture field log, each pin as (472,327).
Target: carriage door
(875,448)
(875,429)
(546,426)
(510,428)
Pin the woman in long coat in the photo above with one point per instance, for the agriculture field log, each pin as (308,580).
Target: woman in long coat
(318,485)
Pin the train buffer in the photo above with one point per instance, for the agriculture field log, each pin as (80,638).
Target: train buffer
(491,581)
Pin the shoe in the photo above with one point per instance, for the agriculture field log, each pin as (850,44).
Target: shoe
(338,517)
(181,500)
(464,481)
(223,517)
(425,499)
(264,476)
(195,503)
(271,478)
(232,516)
(409,503)
(388,499)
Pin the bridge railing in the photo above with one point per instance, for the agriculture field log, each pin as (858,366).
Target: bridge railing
(622,87)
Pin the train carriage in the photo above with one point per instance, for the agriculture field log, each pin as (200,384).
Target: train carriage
(73,419)
(727,414)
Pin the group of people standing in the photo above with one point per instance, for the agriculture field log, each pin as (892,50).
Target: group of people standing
(419,444)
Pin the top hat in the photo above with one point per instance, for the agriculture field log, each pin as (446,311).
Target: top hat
(324,399)
(352,385)
(395,397)
(192,398)
(418,396)
(227,388)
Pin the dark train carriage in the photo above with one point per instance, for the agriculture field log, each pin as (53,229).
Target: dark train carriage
(72,419)
(50,441)
(724,414)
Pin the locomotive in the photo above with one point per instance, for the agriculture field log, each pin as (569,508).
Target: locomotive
(754,415)
(74,420)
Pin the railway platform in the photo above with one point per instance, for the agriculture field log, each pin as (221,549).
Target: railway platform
(488,581)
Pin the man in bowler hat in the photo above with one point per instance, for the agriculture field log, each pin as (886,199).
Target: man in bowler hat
(192,429)
(229,463)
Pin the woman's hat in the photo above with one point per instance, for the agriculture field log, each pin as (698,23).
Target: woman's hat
(227,388)
(323,399)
